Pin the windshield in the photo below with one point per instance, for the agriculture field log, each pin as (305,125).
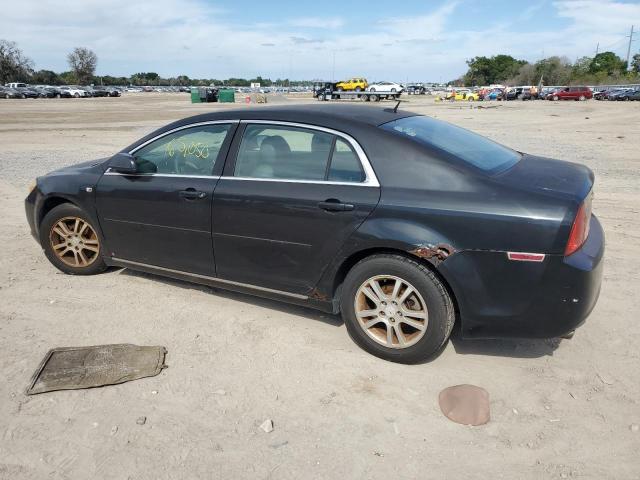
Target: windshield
(470,147)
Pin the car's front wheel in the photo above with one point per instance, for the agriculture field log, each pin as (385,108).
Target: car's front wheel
(396,308)
(70,241)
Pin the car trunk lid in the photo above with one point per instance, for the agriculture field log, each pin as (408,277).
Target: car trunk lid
(551,177)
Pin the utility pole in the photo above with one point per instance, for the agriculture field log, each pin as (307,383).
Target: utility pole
(629,47)
(333,68)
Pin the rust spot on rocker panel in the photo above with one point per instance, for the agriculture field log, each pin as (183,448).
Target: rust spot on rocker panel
(434,253)
(318,295)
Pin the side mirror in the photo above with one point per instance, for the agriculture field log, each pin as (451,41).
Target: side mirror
(123,163)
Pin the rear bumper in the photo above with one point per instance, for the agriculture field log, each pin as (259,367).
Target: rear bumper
(502,298)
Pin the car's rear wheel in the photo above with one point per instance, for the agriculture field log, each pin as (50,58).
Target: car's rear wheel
(70,241)
(396,308)
(582,98)
(555,98)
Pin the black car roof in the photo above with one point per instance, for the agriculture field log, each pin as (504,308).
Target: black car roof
(325,114)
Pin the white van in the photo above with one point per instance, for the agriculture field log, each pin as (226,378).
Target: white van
(16,85)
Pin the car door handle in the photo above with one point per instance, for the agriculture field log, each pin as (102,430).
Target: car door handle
(333,205)
(192,194)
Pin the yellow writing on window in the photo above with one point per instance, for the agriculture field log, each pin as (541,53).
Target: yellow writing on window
(179,147)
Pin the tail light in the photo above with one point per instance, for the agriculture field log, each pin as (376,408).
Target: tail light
(580,227)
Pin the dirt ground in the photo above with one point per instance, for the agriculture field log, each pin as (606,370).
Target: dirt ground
(560,409)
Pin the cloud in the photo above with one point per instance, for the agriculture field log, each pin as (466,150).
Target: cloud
(331,23)
(419,26)
(268,44)
(303,40)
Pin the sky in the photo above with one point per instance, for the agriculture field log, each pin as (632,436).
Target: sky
(319,40)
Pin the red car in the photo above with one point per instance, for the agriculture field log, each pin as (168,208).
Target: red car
(571,93)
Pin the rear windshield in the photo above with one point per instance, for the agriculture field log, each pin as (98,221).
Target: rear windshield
(469,147)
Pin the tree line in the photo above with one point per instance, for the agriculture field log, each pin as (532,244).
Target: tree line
(603,68)
(16,67)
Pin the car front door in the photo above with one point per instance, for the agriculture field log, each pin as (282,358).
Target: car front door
(161,215)
(287,202)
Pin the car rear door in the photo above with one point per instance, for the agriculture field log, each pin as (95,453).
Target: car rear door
(289,198)
(161,216)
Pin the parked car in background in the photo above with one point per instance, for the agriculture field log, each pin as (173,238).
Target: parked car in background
(16,85)
(99,91)
(598,93)
(608,94)
(530,93)
(625,94)
(495,94)
(385,87)
(8,93)
(28,92)
(105,91)
(357,83)
(571,93)
(463,95)
(45,92)
(429,223)
(74,91)
(416,89)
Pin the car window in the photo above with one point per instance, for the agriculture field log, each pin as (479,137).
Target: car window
(469,147)
(279,152)
(191,151)
(345,164)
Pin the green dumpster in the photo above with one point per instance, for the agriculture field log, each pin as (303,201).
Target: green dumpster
(195,96)
(226,95)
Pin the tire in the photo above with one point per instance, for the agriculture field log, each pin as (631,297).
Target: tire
(555,98)
(375,98)
(582,98)
(340,89)
(77,95)
(431,296)
(372,89)
(393,90)
(78,247)
(58,95)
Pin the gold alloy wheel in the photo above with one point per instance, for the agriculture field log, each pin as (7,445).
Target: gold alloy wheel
(391,311)
(74,242)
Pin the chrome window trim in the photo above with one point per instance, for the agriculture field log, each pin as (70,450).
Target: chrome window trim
(371,180)
(183,127)
(208,278)
(170,175)
(290,180)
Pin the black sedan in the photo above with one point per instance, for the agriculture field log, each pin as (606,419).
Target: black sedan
(628,94)
(402,223)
